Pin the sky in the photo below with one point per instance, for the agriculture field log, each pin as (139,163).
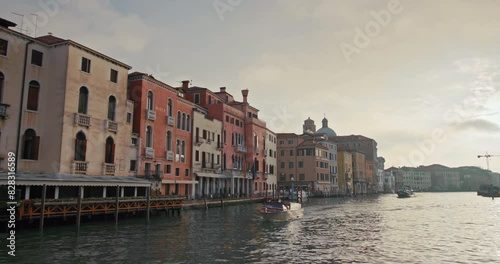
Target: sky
(422,78)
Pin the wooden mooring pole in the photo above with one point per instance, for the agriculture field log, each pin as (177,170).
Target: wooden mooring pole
(79,210)
(117,204)
(42,210)
(148,194)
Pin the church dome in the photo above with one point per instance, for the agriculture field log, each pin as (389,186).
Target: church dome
(326,130)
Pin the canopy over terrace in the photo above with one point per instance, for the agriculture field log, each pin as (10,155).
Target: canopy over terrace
(67,185)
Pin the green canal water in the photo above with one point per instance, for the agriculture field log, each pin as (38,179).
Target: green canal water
(429,228)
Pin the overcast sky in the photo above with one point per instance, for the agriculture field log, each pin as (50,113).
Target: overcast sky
(422,78)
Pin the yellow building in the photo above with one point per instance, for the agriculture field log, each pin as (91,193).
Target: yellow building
(345,172)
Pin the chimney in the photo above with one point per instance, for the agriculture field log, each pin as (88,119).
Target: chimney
(245,95)
(223,89)
(185,84)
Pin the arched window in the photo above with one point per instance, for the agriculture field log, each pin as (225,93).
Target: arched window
(2,78)
(83,100)
(111,108)
(183,151)
(80,146)
(33,93)
(110,151)
(149,137)
(170,107)
(169,140)
(30,145)
(188,123)
(178,119)
(150,102)
(255,140)
(183,121)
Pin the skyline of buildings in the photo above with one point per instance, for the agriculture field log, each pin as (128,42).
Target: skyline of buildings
(81,112)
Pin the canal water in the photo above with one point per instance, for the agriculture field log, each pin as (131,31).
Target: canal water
(429,228)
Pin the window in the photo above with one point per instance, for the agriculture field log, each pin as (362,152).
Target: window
(129,118)
(30,145)
(2,78)
(282,152)
(196,98)
(113,76)
(111,108)
(291,152)
(168,169)
(301,164)
(109,157)
(134,141)
(150,101)
(209,99)
(183,121)
(249,114)
(290,141)
(237,122)
(3,47)
(33,93)
(83,100)
(290,165)
(133,164)
(187,172)
(169,107)
(149,137)
(177,172)
(227,118)
(302,177)
(188,123)
(86,65)
(169,140)
(197,156)
(36,58)
(80,147)
(178,120)
(282,165)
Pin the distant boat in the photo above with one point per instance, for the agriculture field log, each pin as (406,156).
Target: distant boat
(406,192)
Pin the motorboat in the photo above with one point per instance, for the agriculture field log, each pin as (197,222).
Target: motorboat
(281,210)
(406,192)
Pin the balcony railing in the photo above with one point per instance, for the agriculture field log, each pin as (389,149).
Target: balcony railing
(219,146)
(150,153)
(198,141)
(3,110)
(170,120)
(152,175)
(80,167)
(82,120)
(150,115)
(111,126)
(241,148)
(209,141)
(109,169)
(170,155)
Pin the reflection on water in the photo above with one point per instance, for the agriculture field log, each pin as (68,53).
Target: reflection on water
(430,228)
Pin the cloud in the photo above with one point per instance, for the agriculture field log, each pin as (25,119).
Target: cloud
(477,125)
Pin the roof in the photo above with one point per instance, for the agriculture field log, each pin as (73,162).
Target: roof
(351,138)
(328,131)
(311,143)
(75,180)
(6,23)
(49,39)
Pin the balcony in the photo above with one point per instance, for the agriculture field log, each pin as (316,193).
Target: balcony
(199,141)
(82,120)
(80,167)
(170,155)
(149,153)
(150,115)
(3,111)
(170,120)
(265,152)
(241,148)
(111,126)
(109,169)
(152,175)
(219,146)
(209,141)
(256,150)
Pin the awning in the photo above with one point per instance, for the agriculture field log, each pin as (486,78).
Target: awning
(74,180)
(178,182)
(211,175)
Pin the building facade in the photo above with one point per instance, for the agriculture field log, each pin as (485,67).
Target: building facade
(163,120)
(360,183)
(418,180)
(271,163)
(66,105)
(345,173)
